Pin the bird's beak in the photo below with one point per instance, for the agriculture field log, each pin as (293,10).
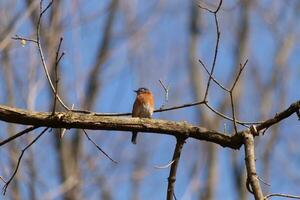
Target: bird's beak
(135,91)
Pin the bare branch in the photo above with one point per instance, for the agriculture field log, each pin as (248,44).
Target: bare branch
(233,113)
(23,38)
(231,95)
(294,108)
(40,50)
(84,121)
(166,89)
(19,160)
(129,114)
(27,130)
(165,166)
(230,119)
(242,67)
(250,166)
(57,60)
(98,147)
(282,195)
(2,180)
(173,170)
(212,77)
(216,49)
(211,11)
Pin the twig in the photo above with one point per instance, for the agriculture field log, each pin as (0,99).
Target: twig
(2,179)
(173,170)
(231,95)
(250,166)
(37,41)
(182,106)
(57,59)
(216,49)
(164,166)
(230,119)
(18,135)
(174,196)
(282,195)
(166,89)
(127,114)
(22,38)
(19,160)
(212,77)
(298,114)
(294,107)
(40,50)
(242,67)
(233,113)
(209,10)
(99,148)
(264,182)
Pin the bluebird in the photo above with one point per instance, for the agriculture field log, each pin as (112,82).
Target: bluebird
(143,107)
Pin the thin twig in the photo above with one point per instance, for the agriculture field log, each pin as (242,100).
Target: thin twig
(40,50)
(19,160)
(18,135)
(173,171)
(127,114)
(242,67)
(2,179)
(233,113)
(264,182)
(57,59)
(99,148)
(231,95)
(282,195)
(209,10)
(182,106)
(174,196)
(245,124)
(216,50)
(212,77)
(23,38)
(166,89)
(164,166)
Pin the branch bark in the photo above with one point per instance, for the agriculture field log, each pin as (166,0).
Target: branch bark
(83,121)
(250,166)
(173,170)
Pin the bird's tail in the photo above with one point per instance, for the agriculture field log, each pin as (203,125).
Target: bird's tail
(133,138)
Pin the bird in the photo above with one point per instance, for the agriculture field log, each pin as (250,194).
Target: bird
(143,107)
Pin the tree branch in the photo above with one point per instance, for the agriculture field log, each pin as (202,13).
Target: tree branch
(27,130)
(173,170)
(250,166)
(19,160)
(85,121)
(89,121)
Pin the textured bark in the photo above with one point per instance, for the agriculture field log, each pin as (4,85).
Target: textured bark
(85,121)
(250,165)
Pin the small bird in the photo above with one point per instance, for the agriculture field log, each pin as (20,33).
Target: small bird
(143,107)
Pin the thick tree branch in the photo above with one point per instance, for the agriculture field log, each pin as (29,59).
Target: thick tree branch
(89,121)
(294,108)
(251,167)
(84,121)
